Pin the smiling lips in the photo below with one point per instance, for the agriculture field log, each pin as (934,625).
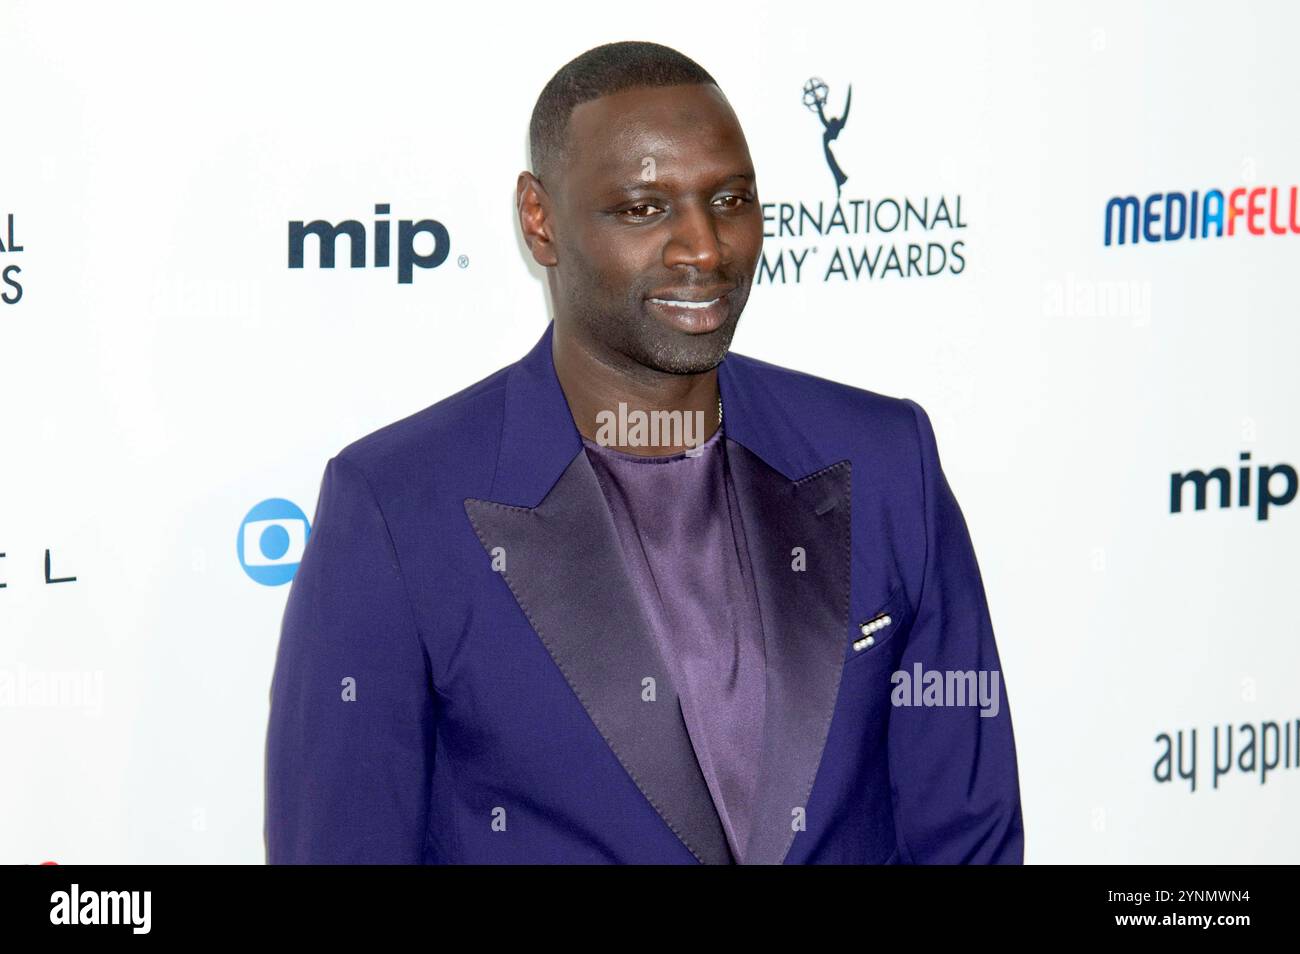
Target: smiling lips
(692,315)
(683,303)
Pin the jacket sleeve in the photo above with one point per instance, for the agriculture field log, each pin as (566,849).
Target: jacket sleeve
(350,739)
(952,767)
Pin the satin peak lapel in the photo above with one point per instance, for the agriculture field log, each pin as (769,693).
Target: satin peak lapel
(798,535)
(565,567)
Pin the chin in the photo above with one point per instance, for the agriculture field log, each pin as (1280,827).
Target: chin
(694,354)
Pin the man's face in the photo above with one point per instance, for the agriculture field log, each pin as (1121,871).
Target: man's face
(657,204)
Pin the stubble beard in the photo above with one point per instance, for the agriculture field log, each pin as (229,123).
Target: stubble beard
(640,341)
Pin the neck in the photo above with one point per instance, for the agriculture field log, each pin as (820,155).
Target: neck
(595,384)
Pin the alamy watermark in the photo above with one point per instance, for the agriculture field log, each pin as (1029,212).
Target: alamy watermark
(626,428)
(52,689)
(947,687)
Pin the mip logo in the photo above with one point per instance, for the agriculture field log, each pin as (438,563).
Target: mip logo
(815,92)
(271,541)
(327,236)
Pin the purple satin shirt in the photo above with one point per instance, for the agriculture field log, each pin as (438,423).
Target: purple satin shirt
(684,543)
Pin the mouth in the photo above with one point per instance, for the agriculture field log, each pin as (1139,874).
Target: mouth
(692,316)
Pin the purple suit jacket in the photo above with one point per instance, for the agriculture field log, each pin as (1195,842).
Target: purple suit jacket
(462,668)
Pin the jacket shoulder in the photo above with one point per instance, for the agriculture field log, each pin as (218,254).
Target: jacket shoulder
(842,412)
(455,435)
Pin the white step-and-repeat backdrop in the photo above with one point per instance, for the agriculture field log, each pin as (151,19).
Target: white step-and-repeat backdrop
(1069,231)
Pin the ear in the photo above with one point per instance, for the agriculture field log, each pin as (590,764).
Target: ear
(534,207)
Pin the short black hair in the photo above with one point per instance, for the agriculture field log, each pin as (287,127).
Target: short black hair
(600,71)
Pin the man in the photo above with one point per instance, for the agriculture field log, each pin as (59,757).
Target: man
(520,632)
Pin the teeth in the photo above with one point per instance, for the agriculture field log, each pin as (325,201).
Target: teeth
(685,304)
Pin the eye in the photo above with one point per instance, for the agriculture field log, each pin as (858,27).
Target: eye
(635,208)
(743,200)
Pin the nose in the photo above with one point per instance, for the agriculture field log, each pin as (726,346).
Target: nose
(694,239)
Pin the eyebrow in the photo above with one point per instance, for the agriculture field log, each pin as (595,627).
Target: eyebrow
(634,185)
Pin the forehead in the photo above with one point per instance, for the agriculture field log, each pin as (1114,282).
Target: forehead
(689,122)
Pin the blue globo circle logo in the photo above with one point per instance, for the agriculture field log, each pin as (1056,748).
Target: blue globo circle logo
(271,541)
